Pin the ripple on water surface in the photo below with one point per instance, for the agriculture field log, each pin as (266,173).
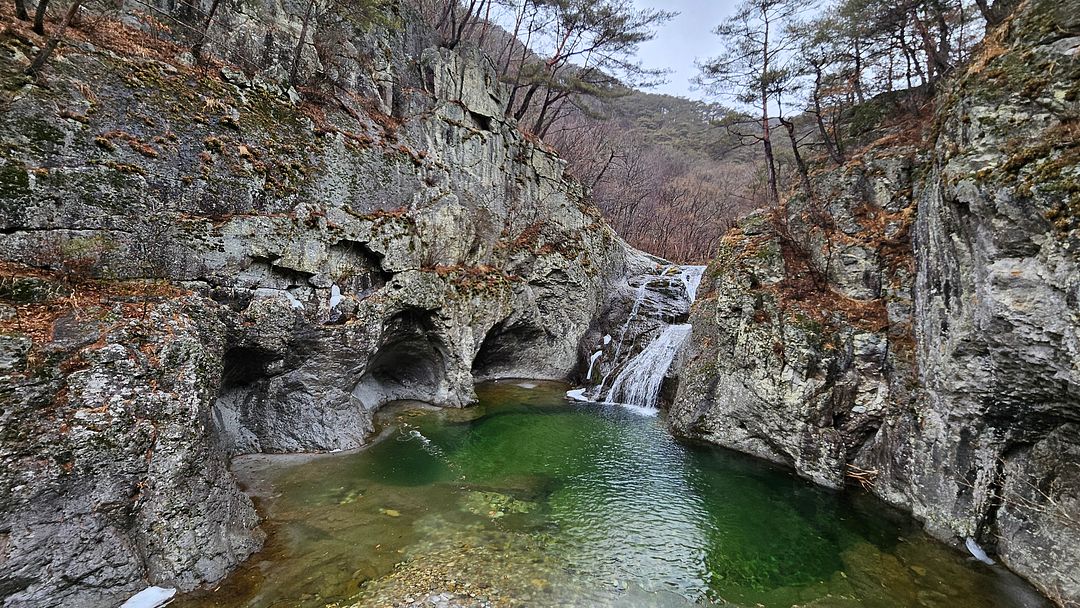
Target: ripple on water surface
(529,500)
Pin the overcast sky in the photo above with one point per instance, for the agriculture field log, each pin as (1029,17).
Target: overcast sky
(682,40)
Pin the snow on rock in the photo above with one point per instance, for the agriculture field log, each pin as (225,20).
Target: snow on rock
(578,394)
(151,597)
(977,551)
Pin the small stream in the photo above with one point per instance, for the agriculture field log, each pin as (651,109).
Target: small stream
(529,500)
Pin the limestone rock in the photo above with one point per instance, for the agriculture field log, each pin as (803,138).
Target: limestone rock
(98,496)
(944,375)
(336,259)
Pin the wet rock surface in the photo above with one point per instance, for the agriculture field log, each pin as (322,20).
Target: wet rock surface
(339,256)
(935,360)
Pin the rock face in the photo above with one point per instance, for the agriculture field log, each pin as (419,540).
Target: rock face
(110,476)
(397,240)
(802,346)
(916,329)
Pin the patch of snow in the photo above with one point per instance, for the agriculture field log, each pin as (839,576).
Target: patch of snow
(977,551)
(335,296)
(607,339)
(151,597)
(578,394)
(292,300)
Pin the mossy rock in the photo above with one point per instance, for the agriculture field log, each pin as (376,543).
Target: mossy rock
(496,505)
(14,184)
(28,290)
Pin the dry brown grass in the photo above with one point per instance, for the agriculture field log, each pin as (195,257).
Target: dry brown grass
(86,298)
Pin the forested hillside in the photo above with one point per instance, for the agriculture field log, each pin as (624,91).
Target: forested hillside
(233,231)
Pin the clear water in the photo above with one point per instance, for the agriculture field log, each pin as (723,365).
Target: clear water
(527,500)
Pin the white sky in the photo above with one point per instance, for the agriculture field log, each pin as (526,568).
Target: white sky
(683,40)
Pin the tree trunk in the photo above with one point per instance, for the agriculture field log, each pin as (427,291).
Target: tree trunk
(538,126)
(39,17)
(487,24)
(834,154)
(544,121)
(858,72)
(20,10)
(524,107)
(300,44)
(766,141)
(804,174)
(904,51)
(914,57)
(937,58)
(196,49)
(838,136)
(43,55)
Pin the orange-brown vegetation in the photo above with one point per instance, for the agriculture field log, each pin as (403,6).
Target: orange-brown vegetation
(65,294)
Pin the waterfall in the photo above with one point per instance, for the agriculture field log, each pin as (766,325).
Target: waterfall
(639,381)
(592,362)
(639,297)
(691,279)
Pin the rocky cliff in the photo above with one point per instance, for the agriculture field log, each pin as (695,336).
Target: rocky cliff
(201,262)
(914,326)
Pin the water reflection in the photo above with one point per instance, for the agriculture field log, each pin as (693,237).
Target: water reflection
(529,500)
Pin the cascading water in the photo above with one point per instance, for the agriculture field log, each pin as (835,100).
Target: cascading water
(637,383)
(691,279)
(639,297)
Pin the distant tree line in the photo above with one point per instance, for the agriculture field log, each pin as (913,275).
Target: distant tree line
(654,164)
(797,57)
(665,173)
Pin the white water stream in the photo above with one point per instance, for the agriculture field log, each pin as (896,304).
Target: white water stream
(637,384)
(691,279)
(639,381)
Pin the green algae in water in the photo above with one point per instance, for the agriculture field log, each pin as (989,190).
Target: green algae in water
(529,500)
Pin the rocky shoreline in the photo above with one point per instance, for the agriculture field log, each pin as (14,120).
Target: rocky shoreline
(916,330)
(203,265)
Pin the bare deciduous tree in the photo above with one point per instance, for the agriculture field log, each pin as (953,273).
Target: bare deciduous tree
(756,42)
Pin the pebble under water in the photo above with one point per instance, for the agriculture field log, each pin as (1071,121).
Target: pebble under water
(527,500)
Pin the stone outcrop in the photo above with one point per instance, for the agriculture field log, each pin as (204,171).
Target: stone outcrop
(110,473)
(396,239)
(915,329)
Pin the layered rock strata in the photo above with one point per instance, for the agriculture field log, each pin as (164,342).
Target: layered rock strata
(390,236)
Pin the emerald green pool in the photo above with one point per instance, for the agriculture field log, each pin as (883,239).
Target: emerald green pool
(528,500)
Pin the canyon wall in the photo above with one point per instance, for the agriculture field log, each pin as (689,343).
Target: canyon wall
(200,262)
(914,326)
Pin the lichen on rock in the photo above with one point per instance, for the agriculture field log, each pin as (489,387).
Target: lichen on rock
(915,331)
(328,257)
